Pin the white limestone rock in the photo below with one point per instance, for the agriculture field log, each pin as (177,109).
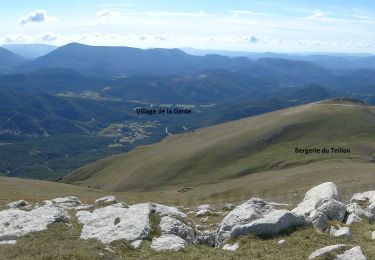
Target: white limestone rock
(206,237)
(110,223)
(324,191)
(173,226)
(355,253)
(230,247)
(341,232)
(281,242)
(373,235)
(67,202)
(107,200)
(168,242)
(163,210)
(251,210)
(136,244)
(15,223)
(17,204)
(273,224)
(325,250)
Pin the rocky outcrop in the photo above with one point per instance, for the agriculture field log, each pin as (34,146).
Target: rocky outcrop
(249,211)
(114,223)
(15,223)
(273,224)
(169,225)
(168,242)
(355,253)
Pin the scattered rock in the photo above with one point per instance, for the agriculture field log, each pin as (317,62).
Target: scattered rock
(325,250)
(341,232)
(203,213)
(355,253)
(168,242)
(136,244)
(373,235)
(206,238)
(67,202)
(18,204)
(242,214)
(281,242)
(173,226)
(114,223)
(270,225)
(229,247)
(15,223)
(107,200)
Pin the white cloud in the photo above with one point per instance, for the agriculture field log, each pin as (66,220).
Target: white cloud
(106,15)
(15,38)
(47,37)
(36,16)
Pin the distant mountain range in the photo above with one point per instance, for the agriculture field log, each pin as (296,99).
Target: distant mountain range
(30,51)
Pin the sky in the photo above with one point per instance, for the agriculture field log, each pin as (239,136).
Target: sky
(237,25)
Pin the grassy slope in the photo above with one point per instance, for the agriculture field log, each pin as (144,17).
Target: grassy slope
(248,156)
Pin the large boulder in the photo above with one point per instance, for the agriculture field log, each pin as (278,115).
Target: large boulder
(323,199)
(111,223)
(270,225)
(168,242)
(247,212)
(355,253)
(356,213)
(325,191)
(15,223)
(169,225)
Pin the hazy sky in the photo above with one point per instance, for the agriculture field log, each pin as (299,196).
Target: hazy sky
(252,25)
